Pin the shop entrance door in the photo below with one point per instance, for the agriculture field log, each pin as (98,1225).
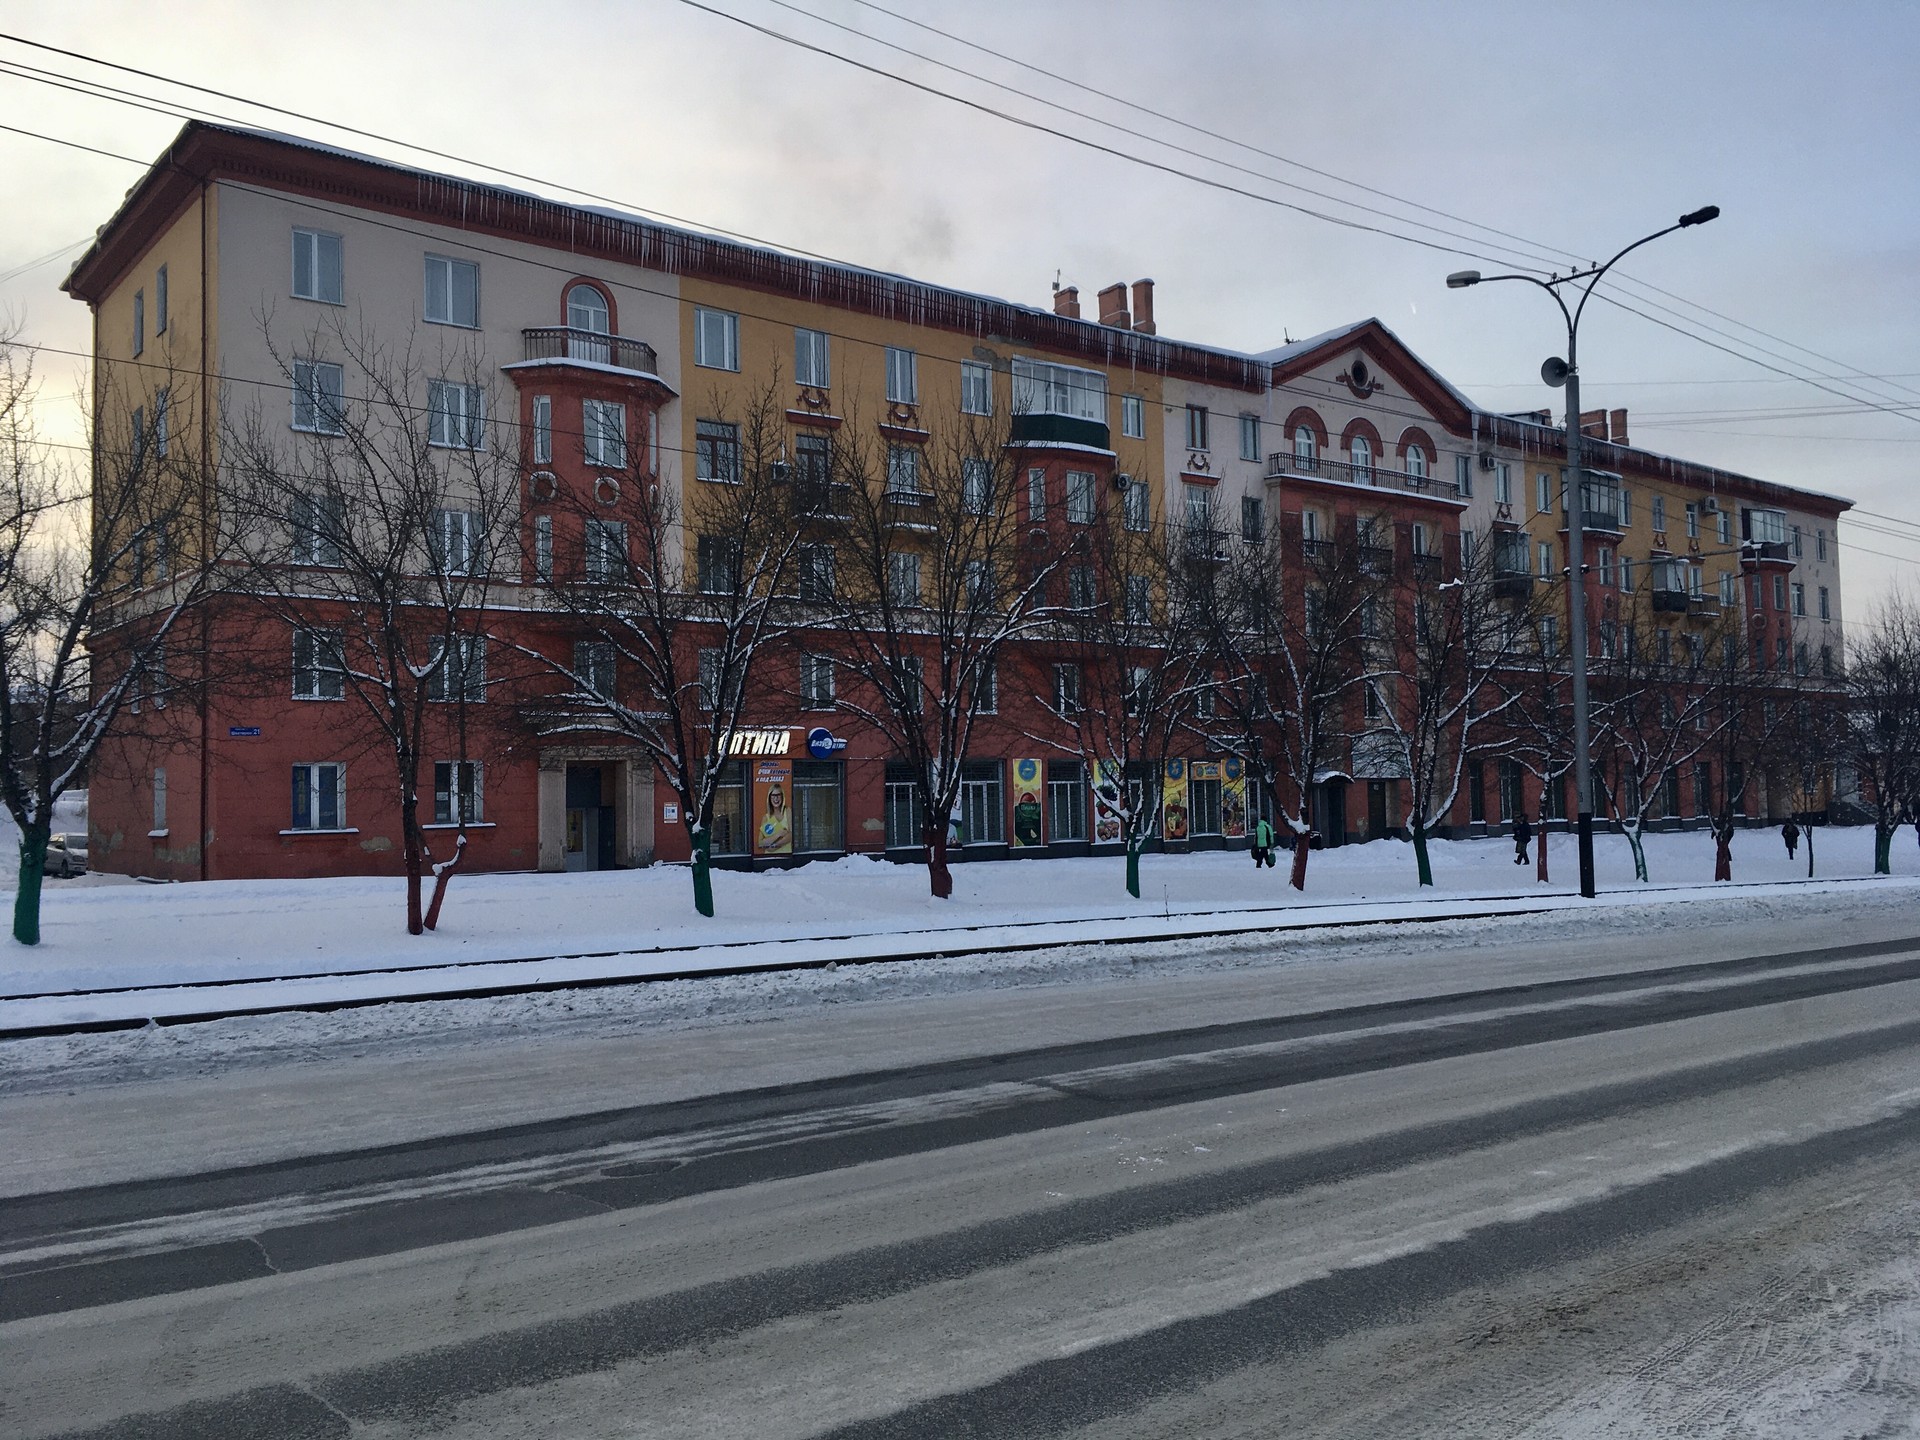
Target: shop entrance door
(590,827)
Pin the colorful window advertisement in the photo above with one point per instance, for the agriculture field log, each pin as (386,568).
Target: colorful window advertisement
(1026,804)
(772,807)
(1233,799)
(1173,805)
(1106,820)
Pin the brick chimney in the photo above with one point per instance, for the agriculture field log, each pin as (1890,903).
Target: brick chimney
(1593,424)
(1113,307)
(1143,307)
(1066,301)
(1617,426)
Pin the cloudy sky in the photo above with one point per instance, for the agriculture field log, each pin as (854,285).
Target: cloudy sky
(1476,133)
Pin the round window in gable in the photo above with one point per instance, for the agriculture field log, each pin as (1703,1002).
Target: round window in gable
(1359,374)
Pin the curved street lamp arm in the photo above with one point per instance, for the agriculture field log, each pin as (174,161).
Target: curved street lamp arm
(1549,287)
(1600,270)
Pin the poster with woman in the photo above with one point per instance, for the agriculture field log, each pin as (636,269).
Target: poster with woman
(772,802)
(1026,804)
(1233,799)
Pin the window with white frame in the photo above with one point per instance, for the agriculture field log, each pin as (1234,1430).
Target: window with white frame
(460,669)
(716,339)
(456,792)
(976,486)
(1417,463)
(1253,519)
(543,429)
(1139,599)
(160,301)
(543,549)
(1779,592)
(603,433)
(139,322)
(816,579)
(1820,544)
(1626,508)
(1467,541)
(1503,483)
(1693,521)
(983,808)
(903,470)
(1421,535)
(1360,454)
(1080,587)
(1081,497)
(1545,557)
(976,388)
(593,667)
(816,682)
(911,673)
(587,310)
(717,559)
(1799,598)
(987,691)
(160,801)
(979,584)
(1036,494)
(317,267)
(1728,585)
(1066,689)
(452,541)
(1463,475)
(1660,512)
(1723,528)
(716,451)
(606,553)
(1042,388)
(1606,566)
(1826,604)
(1133,417)
(1134,504)
(1798,552)
(453,292)
(1249,437)
(319,796)
(1626,574)
(903,578)
(319,404)
(903,376)
(1543,497)
(456,415)
(161,404)
(318,526)
(1197,427)
(1306,447)
(319,665)
(810,359)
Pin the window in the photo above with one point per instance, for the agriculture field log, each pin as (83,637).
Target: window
(1780,644)
(710,666)
(1036,494)
(1723,528)
(160,802)
(1503,484)
(716,452)
(1250,437)
(1543,493)
(593,667)
(1797,542)
(987,691)
(1416,463)
(1826,604)
(1696,581)
(1693,521)
(318,405)
(1779,592)
(460,672)
(1139,599)
(1463,475)
(1820,544)
(152,555)
(903,376)
(1800,666)
(319,797)
(810,364)
(1197,427)
(906,825)
(716,339)
(1199,506)
(1080,588)
(1133,504)
(1066,800)
(976,487)
(1606,566)
(456,792)
(139,321)
(1306,451)
(543,549)
(1422,538)
(816,682)
(1544,554)
(1360,452)
(1609,638)
(911,673)
(160,309)
(453,292)
(606,555)
(160,441)
(903,579)
(587,310)
(451,541)
(983,810)
(1376,706)
(318,523)
(603,433)
(1040,388)
(1080,497)
(976,388)
(1728,587)
(1066,689)
(543,429)
(319,669)
(1133,417)
(979,584)
(317,268)
(1626,574)
(1826,662)
(1253,519)
(1799,598)
(813,460)
(1467,542)
(1549,635)
(1663,645)
(1626,508)
(455,415)
(717,559)
(816,572)
(1660,512)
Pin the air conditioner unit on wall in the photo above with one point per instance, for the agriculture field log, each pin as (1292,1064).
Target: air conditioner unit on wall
(1711,505)
(1121,479)
(1487,462)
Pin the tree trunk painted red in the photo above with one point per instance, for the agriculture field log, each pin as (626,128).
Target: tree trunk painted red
(441,878)
(938,875)
(1722,855)
(1540,863)
(1301,849)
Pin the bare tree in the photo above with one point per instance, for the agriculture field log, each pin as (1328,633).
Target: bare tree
(95,580)
(937,576)
(373,536)
(691,642)
(1881,741)
(1739,715)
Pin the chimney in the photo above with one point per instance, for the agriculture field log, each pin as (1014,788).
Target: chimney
(1113,307)
(1593,424)
(1067,302)
(1143,307)
(1617,426)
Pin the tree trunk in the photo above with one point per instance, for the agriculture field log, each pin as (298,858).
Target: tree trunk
(1723,852)
(413,847)
(1133,867)
(1420,856)
(442,877)
(1301,849)
(1540,859)
(1632,828)
(1883,849)
(26,900)
(938,875)
(703,872)
(1809,852)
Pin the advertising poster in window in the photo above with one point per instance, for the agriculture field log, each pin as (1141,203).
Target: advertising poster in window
(1106,822)
(1233,799)
(1173,805)
(1026,804)
(772,807)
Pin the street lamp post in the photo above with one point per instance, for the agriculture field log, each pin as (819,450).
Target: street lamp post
(1556,372)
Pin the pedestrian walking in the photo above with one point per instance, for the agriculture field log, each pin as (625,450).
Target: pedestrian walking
(1790,833)
(1522,833)
(1262,845)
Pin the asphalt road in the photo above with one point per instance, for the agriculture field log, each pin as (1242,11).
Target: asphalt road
(1663,1194)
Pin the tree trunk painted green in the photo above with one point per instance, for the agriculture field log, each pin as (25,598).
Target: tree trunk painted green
(1809,852)
(1882,850)
(1133,868)
(26,900)
(703,872)
(1639,853)
(1420,855)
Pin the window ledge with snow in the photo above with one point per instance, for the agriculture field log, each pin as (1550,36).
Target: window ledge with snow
(350,830)
(454,825)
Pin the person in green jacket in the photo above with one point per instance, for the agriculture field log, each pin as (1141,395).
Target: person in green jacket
(1262,845)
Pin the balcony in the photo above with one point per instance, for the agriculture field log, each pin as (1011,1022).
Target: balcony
(1426,567)
(589,347)
(823,500)
(1515,584)
(910,508)
(1376,560)
(1281,464)
(1670,602)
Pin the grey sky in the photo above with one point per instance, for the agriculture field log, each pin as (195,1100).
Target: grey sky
(1579,126)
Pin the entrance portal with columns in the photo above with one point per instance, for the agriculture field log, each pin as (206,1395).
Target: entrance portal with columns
(596,808)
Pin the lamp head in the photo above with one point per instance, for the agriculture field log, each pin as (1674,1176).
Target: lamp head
(1700,216)
(1461,279)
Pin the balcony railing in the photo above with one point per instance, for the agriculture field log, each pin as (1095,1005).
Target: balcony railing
(1282,463)
(1512,584)
(563,342)
(1376,560)
(1671,602)
(823,500)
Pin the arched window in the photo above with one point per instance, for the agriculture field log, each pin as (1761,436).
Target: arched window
(1417,462)
(1362,453)
(587,310)
(1304,456)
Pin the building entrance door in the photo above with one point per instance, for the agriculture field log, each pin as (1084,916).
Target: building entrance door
(590,827)
(1376,809)
(1331,822)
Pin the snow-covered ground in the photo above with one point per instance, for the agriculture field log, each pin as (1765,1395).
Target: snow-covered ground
(102,932)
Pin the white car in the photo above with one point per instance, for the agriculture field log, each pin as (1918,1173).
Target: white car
(66,855)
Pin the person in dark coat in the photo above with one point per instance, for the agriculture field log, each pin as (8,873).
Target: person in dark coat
(1522,834)
(1262,845)
(1790,833)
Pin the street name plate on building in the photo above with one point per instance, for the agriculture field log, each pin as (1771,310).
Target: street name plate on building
(243,732)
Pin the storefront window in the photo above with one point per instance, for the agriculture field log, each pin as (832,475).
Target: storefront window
(817,809)
(1066,800)
(1203,806)
(906,825)
(730,831)
(983,806)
